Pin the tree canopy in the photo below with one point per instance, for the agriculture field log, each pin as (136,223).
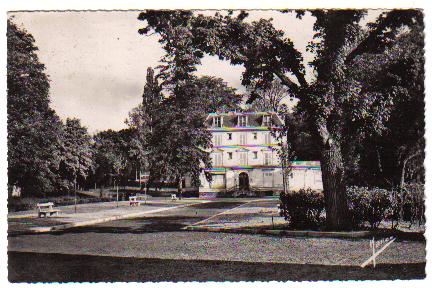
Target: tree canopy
(34,129)
(76,154)
(216,95)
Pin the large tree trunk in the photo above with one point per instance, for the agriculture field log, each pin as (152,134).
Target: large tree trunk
(333,175)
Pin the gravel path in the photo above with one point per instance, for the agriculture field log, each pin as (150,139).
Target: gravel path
(25,221)
(255,213)
(214,246)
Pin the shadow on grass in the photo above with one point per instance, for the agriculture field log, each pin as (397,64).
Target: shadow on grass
(38,267)
(218,205)
(132,226)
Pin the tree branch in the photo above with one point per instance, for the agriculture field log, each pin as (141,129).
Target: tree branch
(293,87)
(385,30)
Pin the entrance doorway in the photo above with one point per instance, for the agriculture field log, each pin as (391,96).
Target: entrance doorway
(243,181)
(267,179)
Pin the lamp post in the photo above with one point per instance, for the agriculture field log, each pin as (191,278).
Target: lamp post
(75,182)
(117,194)
(75,188)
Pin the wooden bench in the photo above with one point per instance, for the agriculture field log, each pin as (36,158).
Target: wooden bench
(46,209)
(137,200)
(173,197)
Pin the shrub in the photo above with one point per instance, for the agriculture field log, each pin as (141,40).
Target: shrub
(368,205)
(394,213)
(302,209)
(407,204)
(412,202)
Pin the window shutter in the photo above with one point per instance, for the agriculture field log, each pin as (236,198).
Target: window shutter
(218,140)
(243,137)
(218,159)
(243,158)
(267,138)
(267,158)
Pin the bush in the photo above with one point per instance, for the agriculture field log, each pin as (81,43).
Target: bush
(302,209)
(394,213)
(412,206)
(368,205)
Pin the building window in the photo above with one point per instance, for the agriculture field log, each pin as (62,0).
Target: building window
(267,158)
(255,135)
(218,140)
(266,120)
(267,138)
(229,155)
(217,121)
(229,136)
(218,159)
(255,155)
(242,120)
(243,158)
(218,181)
(243,139)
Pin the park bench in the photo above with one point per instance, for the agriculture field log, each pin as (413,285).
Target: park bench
(173,197)
(46,209)
(137,200)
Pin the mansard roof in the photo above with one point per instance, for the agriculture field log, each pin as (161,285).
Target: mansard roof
(254,118)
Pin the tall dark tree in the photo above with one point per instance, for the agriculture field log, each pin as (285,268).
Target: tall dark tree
(267,54)
(77,154)
(180,149)
(182,140)
(112,162)
(141,122)
(34,129)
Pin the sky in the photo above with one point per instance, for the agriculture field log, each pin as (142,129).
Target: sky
(97,61)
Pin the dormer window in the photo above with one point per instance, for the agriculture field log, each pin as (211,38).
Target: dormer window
(266,120)
(217,121)
(242,120)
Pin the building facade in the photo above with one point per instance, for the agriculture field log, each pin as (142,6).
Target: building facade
(245,159)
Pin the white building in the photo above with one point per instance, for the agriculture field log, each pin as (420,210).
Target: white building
(245,159)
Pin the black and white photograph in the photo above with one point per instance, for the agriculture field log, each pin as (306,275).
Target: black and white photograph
(216,145)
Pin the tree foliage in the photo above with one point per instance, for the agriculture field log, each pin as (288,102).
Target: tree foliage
(180,143)
(34,129)
(112,156)
(142,121)
(270,99)
(76,154)
(399,72)
(216,95)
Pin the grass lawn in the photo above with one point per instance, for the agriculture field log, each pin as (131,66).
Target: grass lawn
(38,267)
